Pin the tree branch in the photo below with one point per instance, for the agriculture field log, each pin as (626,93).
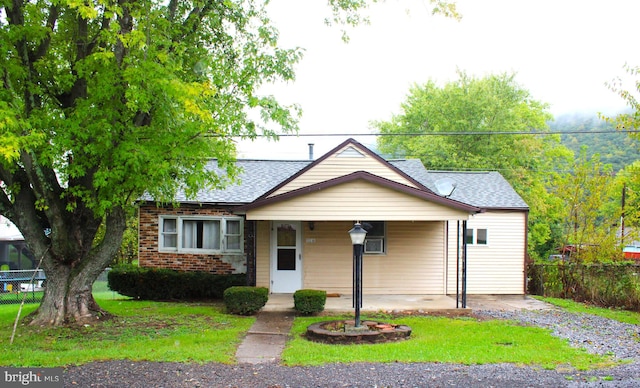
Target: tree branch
(44,45)
(126,25)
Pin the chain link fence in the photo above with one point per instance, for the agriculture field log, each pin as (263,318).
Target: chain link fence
(29,285)
(15,284)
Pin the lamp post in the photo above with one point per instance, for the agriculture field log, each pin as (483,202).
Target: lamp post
(357,234)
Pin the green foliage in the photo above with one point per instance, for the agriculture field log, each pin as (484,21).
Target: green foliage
(166,284)
(245,300)
(104,101)
(615,149)
(453,121)
(631,119)
(613,285)
(586,225)
(154,93)
(350,12)
(627,183)
(611,313)
(309,301)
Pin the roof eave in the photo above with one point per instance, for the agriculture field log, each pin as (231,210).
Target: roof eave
(361,175)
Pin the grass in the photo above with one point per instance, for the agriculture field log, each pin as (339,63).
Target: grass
(142,330)
(16,297)
(575,307)
(439,339)
(201,333)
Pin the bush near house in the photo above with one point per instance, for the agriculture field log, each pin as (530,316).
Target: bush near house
(245,300)
(166,284)
(309,302)
(615,285)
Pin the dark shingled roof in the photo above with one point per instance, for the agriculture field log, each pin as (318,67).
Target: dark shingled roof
(485,189)
(488,190)
(257,177)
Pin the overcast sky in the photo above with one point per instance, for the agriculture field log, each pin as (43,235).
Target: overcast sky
(562,51)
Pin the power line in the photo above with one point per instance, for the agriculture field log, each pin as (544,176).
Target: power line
(409,134)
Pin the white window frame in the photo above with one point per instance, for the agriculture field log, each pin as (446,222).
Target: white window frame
(223,237)
(474,236)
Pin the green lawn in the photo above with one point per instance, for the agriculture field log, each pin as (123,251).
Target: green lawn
(575,307)
(202,332)
(439,339)
(153,331)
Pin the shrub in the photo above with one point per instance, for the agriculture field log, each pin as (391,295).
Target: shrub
(243,300)
(166,284)
(615,285)
(309,301)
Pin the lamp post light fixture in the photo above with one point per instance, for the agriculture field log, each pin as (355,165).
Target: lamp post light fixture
(358,235)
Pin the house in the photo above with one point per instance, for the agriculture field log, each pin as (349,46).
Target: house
(286,226)
(14,254)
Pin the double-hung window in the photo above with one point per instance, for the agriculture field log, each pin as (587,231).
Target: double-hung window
(476,237)
(375,241)
(200,234)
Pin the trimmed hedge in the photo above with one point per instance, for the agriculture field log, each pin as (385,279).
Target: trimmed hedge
(309,301)
(166,284)
(245,300)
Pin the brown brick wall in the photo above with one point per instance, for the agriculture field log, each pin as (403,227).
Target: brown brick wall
(149,256)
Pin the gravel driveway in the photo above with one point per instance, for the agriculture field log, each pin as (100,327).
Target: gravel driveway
(598,335)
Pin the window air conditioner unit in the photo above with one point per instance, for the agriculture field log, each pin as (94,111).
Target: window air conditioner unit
(374,245)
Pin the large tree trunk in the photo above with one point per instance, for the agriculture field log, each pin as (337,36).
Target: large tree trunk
(68,295)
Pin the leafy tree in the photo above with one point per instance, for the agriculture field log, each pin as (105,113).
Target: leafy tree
(614,148)
(627,185)
(104,100)
(629,178)
(588,224)
(458,126)
(629,120)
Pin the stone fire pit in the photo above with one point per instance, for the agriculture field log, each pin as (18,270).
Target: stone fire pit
(345,332)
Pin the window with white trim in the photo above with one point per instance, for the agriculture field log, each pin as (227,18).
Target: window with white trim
(195,234)
(375,241)
(476,236)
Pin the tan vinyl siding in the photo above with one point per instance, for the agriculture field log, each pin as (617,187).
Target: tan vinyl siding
(498,267)
(356,200)
(413,263)
(336,166)
(263,248)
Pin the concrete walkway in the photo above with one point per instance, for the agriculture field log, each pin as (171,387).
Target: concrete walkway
(266,338)
(268,335)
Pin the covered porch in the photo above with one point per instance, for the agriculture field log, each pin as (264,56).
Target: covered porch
(419,304)
(343,303)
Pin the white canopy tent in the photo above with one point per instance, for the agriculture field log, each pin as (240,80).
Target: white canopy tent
(8,231)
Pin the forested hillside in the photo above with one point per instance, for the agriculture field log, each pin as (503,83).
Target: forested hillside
(617,149)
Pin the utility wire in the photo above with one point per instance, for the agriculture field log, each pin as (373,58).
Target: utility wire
(458,133)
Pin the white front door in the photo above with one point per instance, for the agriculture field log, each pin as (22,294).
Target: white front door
(286,257)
